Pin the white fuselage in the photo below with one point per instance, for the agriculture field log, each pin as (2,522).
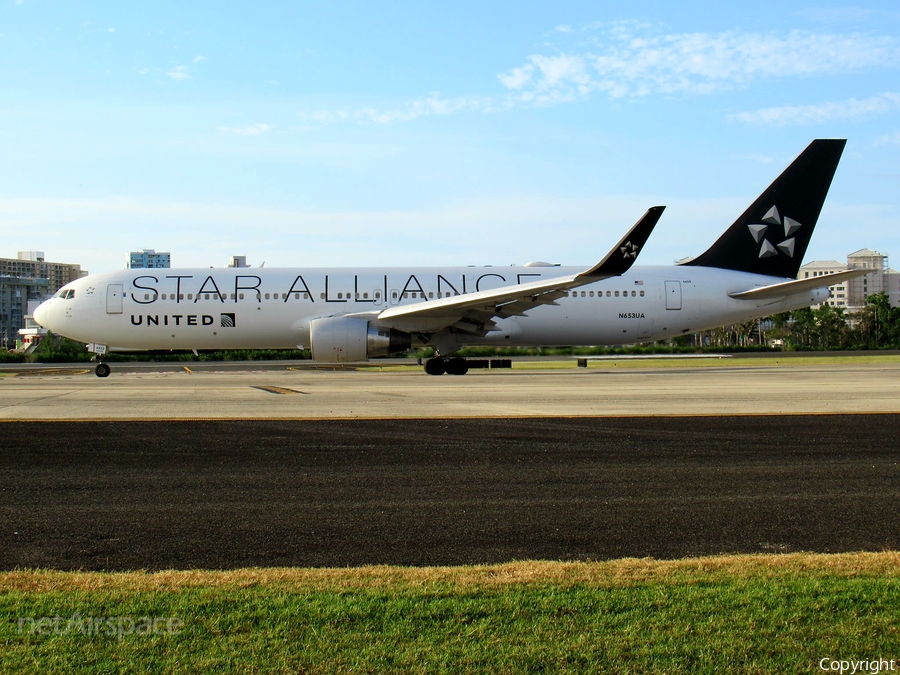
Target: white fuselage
(259,308)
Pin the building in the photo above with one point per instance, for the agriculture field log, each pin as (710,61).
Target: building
(30,336)
(148,257)
(238,261)
(33,264)
(852,294)
(15,293)
(29,277)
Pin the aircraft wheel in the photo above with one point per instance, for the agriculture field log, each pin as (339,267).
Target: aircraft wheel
(102,370)
(457,366)
(435,366)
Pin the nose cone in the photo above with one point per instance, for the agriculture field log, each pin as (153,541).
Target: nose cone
(42,314)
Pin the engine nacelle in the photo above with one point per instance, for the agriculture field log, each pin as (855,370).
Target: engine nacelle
(340,339)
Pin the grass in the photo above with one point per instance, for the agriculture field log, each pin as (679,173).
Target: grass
(571,362)
(753,614)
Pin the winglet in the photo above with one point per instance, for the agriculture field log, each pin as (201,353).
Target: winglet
(622,256)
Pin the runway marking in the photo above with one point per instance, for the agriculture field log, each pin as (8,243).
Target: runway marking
(51,371)
(279,390)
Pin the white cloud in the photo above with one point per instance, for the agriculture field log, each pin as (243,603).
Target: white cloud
(890,139)
(633,60)
(199,59)
(517,77)
(179,73)
(759,158)
(111,30)
(822,112)
(248,129)
(430,105)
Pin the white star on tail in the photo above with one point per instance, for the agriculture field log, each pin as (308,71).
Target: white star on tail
(767,249)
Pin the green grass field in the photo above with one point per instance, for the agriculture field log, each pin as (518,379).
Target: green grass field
(747,614)
(768,360)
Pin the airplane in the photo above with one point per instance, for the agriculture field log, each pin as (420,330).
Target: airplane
(348,315)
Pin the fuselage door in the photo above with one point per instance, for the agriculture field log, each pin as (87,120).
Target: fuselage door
(673,295)
(114,295)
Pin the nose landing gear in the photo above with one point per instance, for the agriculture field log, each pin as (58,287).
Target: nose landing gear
(99,351)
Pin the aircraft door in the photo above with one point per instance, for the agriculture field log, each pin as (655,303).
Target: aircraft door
(114,295)
(376,294)
(395,296)
(673,295)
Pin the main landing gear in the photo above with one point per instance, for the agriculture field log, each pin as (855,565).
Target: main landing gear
(451,366)
(102,369)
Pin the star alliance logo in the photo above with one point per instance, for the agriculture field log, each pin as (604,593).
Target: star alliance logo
(629,250)
(772,217)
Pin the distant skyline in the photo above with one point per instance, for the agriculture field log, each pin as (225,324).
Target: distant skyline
(420,134)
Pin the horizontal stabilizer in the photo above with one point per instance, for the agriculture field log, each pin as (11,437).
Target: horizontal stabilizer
(786,288)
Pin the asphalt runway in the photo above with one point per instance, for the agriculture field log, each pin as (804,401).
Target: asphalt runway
(228,494)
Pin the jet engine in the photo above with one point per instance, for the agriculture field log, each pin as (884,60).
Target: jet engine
(341,339)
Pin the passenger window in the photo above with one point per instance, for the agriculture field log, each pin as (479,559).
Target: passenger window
(608,294)
(241,296)
(642,294)
(322,296)
(267,296)
(431,295)
(365,296)
(633,294)
(617,294)
(591,294)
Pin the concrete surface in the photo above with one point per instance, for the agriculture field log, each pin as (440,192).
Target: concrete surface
(282,393)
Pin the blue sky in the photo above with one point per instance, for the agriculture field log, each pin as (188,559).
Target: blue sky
(360,133)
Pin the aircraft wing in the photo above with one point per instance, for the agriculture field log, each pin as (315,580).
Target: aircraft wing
(473,312)
(786,288)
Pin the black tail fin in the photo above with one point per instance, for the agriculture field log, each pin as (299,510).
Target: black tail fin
(772,235)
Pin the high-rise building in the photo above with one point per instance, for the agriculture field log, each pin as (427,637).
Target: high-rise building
(29,277)
(148,257)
